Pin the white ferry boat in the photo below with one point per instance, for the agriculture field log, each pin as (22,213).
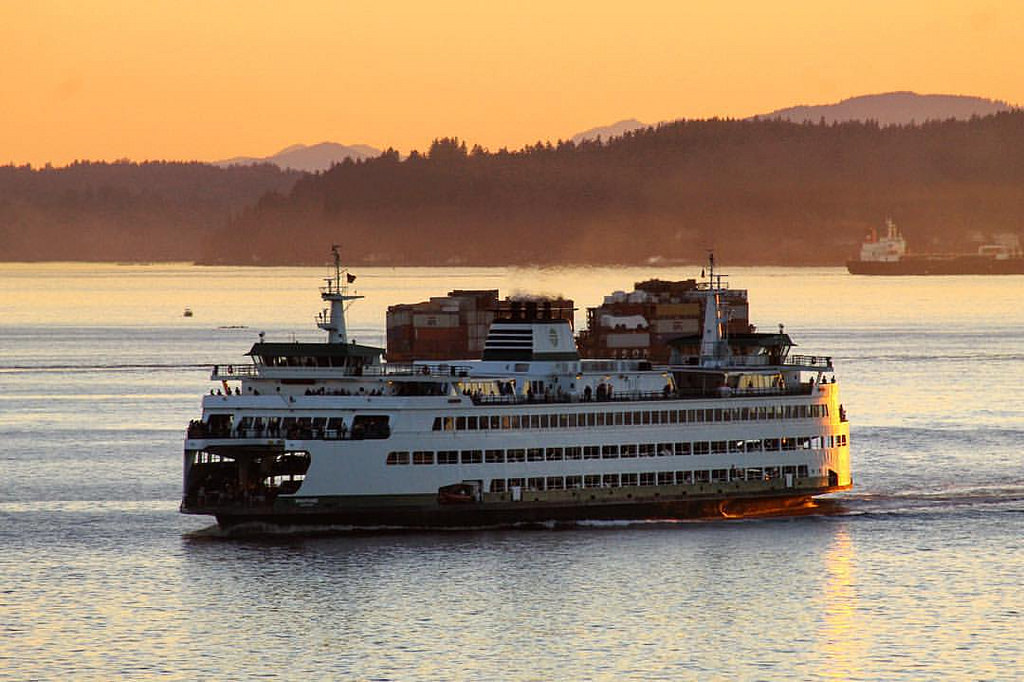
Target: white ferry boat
(328,433)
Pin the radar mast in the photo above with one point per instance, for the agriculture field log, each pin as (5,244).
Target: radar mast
(337,292)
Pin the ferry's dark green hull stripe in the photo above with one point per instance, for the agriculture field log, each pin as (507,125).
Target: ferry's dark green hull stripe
(424,511)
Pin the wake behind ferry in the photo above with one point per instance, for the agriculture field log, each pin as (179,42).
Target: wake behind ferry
(330,434)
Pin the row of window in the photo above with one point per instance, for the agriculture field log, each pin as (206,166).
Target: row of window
(614,451)
(648,478)
(570,420)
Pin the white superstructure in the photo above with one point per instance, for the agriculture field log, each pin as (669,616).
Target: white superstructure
(328,433)
(889,248)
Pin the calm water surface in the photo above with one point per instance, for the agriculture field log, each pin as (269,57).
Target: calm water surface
(917,576)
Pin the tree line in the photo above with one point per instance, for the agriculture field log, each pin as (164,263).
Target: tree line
(124,211)
(758,192)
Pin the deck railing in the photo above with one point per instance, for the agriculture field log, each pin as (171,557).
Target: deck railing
(644,396)
(201,430)
(228,372)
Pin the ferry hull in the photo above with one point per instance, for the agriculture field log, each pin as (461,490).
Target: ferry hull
(586,505)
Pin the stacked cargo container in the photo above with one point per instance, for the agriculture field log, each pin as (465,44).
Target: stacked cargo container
(638,324)
(641,323)
(443,328)
(455,326)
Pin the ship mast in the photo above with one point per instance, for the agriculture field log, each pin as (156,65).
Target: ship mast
(714,351)
(337,292)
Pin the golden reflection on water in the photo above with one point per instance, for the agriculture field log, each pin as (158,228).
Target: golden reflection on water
(841,644)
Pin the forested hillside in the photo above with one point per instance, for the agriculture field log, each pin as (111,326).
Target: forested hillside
(124,211)
(759,192)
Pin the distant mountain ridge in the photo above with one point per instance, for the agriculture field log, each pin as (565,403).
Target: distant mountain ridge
(308,158)
(892,108)
(607,132)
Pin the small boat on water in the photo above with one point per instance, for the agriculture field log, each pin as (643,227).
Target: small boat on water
(187,313)
(531,432)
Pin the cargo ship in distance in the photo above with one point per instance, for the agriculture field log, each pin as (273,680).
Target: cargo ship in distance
(887,255)
(330,434)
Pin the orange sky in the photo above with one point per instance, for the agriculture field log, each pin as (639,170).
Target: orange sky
(209,79)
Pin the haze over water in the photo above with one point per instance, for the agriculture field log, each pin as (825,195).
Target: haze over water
(916,576)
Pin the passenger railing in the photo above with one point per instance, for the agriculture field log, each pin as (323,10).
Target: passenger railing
(644,396)
(228,372)
(817,361)
(823,361)
(201,430)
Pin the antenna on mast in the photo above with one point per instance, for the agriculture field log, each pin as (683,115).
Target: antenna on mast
(336,292)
